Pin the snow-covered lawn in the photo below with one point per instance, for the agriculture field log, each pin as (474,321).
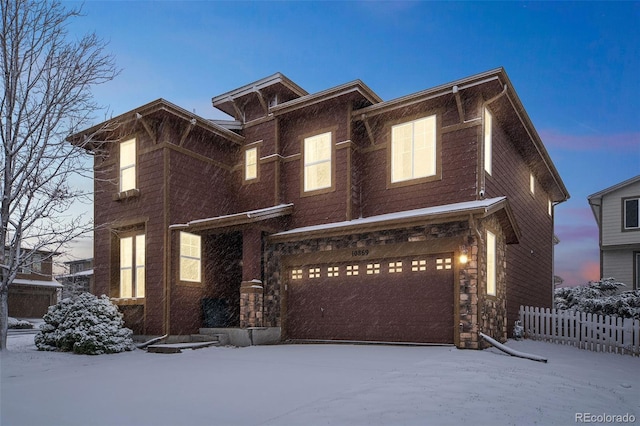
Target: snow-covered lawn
(316,384)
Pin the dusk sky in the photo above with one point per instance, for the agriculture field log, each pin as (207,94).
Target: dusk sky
(575,67)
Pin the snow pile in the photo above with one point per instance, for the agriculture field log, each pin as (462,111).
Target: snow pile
(85,324)
(598,297)
(16,323)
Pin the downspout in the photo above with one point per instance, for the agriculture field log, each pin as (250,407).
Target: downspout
(482,185)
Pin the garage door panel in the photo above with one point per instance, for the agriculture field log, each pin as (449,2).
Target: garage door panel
(406,299)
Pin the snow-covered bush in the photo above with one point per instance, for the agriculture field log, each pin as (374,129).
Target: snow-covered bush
(16,323)
(84,324)
(598,297)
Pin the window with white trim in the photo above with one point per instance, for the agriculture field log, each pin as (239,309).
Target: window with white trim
(491,264)
(413,149)
(190,257)
(488,142)
(317,162)
(632,213)
(251,163)
(132,266)
(127,165)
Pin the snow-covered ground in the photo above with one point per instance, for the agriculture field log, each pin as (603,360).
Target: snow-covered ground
(316,384)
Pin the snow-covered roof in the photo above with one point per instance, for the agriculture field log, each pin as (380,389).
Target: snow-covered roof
(38,283)
(405,218)
(236,218)
(84,273)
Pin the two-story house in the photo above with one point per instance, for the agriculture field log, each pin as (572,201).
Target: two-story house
(79,279)
(327,216)
(34,289)
(617,213)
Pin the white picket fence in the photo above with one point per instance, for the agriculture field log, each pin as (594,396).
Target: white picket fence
(600,333)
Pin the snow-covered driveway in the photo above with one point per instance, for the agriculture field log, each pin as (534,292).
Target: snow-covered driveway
(316,384)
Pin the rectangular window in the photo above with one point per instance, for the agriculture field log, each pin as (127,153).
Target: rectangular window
(352,270)
(636,285)
(317,162)
(549,207)
(488,136)
(373,269)
(296,274)
(532,183)
(251,163)
(333,271)
(632,214)
(445,263)
(190,257)
(314,272)
(127,165)
(395,267)
(413,149)
(132,266)
(418,265)
(491,264)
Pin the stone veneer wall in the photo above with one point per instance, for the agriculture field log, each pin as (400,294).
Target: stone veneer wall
(251,305)
(478,311)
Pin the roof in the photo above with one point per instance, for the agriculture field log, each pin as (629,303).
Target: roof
(527,139)
(235,219)
(85,273)
(277,82)
(600,194)
(87,138)
(38,283)
(355,86)
(415,217)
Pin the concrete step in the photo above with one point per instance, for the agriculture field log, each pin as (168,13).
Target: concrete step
(176,348)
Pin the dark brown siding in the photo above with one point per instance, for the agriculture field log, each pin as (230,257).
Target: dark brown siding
(529,263)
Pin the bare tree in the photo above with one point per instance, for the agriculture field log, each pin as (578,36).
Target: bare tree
(45,96)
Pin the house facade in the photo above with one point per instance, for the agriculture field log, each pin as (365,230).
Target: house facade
(79,279)
(616,210)
(327,216)
(34,289)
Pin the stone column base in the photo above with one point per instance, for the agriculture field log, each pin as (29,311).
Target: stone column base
(251,303)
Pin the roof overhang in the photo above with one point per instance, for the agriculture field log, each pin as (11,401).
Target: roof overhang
(92,137)
(437,214)
(356,87)
(277,83)
(235,220)
(37,283)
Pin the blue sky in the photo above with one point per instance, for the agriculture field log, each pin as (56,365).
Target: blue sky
(575,66)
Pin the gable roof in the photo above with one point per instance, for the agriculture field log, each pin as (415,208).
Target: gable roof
(595,199)
(88,138)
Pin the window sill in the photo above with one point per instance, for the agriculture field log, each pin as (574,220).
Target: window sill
(125,195)
(128,301)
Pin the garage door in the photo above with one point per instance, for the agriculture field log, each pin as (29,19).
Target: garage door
(407,299)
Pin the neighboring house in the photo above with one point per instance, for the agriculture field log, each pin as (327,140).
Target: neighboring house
(327,216)
(34,289)
(79,279)
(617,213)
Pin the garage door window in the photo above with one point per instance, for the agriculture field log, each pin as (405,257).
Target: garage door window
(418,265)
(314,272)
(296,274)
(373,268)
(443,263)
(333,271)
(352,270)
(395,267)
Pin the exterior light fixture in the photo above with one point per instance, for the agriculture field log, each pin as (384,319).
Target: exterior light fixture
(464,258)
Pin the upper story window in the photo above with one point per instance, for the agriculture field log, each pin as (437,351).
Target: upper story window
(413,149)
(317,162)
(190,257)
(632,213)
(127,165)
(532,184)
(488,142)
(132,266)
(251,163)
